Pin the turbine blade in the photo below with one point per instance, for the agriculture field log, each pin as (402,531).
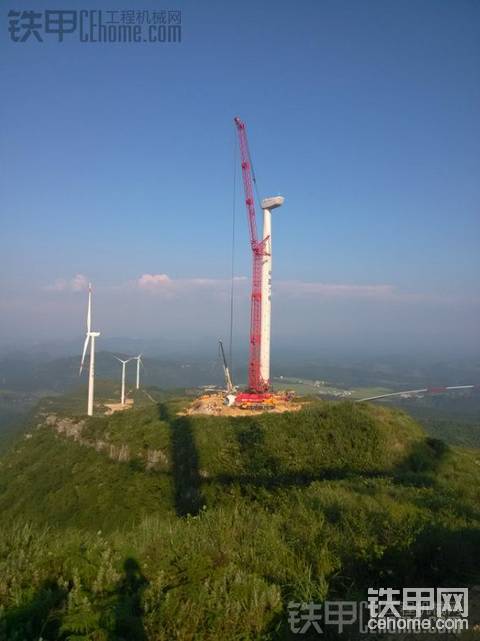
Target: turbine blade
(85,346)
(89,310)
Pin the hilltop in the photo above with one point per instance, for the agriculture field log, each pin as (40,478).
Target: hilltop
(184,457)
(216,523)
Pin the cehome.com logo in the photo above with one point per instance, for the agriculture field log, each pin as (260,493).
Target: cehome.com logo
(387,611)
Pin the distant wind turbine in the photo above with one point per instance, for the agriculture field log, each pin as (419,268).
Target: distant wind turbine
(91,336)
(139,362)
(124,363)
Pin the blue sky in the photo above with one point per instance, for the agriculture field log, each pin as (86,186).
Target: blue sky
(118,162)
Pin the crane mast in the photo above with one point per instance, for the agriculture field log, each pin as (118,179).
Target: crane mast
(256,384)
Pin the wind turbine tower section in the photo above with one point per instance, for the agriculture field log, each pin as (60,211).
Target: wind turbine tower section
(90,338)
(267,205)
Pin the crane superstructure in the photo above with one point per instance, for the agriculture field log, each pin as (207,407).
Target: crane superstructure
(256,385)
(258,389)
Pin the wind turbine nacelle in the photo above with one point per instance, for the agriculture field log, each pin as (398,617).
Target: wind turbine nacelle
(273,202)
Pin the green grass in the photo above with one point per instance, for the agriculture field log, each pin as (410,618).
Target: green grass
(233,518)
(453,418)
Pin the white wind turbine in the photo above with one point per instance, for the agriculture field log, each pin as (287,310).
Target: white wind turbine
(139,362)
(91,336)
(124,363)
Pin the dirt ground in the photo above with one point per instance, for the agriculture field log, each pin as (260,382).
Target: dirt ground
(213,405)
(118,407)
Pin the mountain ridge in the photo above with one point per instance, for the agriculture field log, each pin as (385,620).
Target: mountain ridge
(234,519)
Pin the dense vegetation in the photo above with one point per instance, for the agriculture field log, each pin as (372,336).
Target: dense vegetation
(147,525)
(454,419)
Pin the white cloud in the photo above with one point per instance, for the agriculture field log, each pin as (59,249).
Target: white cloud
(153,281)
(164,285)
(334,290)
(78,283)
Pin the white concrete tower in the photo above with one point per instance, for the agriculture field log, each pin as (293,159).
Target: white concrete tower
(267,205)
(124,365)
(90,337)
(139,362)
(91,373)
